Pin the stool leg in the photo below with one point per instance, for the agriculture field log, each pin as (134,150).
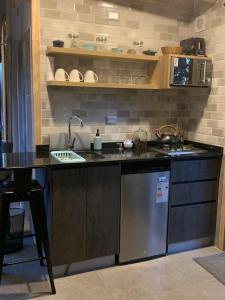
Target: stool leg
(4,214)
(38,233)
(39,209)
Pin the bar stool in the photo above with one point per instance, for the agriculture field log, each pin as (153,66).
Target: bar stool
(23,188)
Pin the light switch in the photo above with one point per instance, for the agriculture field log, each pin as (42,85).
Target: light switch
(113,15)
(111,120)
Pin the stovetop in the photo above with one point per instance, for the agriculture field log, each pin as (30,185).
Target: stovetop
(178,149)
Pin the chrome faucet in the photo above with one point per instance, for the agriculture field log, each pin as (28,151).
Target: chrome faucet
(71,142)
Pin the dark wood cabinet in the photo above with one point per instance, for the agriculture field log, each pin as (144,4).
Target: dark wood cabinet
(194,192)
(192,170)
(193,203)
(85,213)
(192,222)
(103,211)
(68,222)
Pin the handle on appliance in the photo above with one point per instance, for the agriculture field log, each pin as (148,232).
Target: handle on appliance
(203,78)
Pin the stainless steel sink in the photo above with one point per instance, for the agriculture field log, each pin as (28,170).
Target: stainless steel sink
(67,156)
(90,155)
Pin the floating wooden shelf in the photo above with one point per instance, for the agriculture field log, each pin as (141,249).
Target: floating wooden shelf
(101,85)
(55,51)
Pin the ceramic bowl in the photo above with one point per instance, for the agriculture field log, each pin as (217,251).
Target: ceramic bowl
(89,47)
(117,50)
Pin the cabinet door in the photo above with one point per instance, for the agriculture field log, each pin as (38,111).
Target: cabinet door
(194,192)
(192,222)
(68,215)
(192,170)
(103,211)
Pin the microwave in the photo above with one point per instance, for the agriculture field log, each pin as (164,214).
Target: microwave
(190,72)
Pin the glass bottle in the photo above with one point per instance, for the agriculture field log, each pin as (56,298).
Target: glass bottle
(74,40)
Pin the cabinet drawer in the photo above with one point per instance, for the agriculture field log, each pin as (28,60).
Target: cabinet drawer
(185,193)
(192,222)
(191,170)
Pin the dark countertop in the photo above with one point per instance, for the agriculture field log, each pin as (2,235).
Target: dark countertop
(111,156)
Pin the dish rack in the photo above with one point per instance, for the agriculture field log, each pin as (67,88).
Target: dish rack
(67,156)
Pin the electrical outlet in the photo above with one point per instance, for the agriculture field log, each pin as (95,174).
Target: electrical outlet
(111,120)
(200,24)
(113,15)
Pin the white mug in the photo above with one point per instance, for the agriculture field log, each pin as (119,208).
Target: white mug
(76,76)
(61,75)
(90,76)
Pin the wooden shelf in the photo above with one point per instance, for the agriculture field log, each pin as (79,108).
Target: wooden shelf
(101,85)
(56,51)
(189,56)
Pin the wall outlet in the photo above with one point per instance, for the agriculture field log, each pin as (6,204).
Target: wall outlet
(200,24)
(113,15)
(111,120)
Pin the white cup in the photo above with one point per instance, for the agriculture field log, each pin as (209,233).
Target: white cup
(61,75)
(90,76)
(76,76)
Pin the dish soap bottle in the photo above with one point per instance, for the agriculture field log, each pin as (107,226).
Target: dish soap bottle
(97,141)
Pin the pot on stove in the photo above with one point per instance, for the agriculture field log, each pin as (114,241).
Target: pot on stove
(168,135)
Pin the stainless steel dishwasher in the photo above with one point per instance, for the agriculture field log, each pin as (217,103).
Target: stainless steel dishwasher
(144,213)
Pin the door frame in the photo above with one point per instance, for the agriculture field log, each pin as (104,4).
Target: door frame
(36,80)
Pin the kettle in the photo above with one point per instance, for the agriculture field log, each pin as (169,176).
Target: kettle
(168,137)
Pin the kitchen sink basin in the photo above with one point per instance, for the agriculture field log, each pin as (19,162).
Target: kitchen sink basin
(67,156)
(90,155)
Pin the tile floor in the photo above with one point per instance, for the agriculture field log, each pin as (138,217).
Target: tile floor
(174,277)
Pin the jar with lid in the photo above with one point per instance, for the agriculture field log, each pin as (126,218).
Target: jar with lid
(140,140)
(101,42)
(138,46)
(74,40)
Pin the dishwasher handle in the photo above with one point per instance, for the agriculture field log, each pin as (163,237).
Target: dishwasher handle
(143,170)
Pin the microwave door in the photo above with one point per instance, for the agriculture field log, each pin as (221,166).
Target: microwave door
(181,71)
(199,73)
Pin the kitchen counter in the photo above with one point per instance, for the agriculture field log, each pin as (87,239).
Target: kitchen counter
(44,159)
(83,199)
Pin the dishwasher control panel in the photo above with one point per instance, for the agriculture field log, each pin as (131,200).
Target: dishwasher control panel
(162,189)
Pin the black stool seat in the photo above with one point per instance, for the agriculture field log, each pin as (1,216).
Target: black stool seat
(11,190)
(26,189)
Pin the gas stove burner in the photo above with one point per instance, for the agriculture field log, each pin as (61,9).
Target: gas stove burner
(176,148)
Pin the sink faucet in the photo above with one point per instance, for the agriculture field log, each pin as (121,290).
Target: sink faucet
(71,141)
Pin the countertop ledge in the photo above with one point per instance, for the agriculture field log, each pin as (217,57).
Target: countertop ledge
(11,161)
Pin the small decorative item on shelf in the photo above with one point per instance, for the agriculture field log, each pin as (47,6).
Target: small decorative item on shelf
(90,76)
(149,52)
(131,51)
(115,78)
(117,50)
(138,46)
(58,43)
(61,75)
(76,76)
(74,40)
(139,79)
(128,144)
(127,79)
(89,47)
(172,50)
(101,42)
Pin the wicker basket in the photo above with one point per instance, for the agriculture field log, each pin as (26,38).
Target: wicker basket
(172,50)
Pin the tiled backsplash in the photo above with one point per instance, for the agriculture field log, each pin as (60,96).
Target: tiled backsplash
(211,127)
(134,109)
